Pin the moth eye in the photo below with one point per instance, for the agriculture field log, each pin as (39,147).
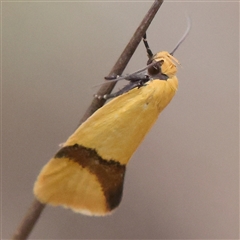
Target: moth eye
(154,70)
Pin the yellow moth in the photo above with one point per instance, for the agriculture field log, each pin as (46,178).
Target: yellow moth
(87,173)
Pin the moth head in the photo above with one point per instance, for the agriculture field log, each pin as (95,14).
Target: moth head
(167,64)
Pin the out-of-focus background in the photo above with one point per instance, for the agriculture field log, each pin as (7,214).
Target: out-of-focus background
(182,183)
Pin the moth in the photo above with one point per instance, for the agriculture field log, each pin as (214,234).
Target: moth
(87,173)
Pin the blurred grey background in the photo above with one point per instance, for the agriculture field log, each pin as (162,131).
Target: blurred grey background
(182,183)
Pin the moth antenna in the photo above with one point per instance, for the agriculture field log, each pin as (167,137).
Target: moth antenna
(184,35)
(149,51)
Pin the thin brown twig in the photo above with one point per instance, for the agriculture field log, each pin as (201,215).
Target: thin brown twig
(26,225)
(29,220)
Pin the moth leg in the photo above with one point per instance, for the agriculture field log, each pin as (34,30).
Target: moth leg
(132,77)
(127,88)
(142,77)
(136,80)
(112,77)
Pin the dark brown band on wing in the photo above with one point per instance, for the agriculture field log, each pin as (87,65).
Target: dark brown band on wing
(110,173)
